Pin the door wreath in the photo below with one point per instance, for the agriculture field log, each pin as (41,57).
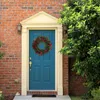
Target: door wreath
(41,39)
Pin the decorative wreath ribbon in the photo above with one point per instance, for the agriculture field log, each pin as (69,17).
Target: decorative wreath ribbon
(39,40)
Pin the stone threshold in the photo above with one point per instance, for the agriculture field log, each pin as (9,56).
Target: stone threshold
(41,98)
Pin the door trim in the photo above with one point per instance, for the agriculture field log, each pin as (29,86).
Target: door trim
(25,53)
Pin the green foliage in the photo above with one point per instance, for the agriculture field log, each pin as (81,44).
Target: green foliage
(75,98)
(82,19)
(1,54)
(96,94)
(1,97)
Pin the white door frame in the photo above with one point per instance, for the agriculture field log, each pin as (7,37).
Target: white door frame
(28,25)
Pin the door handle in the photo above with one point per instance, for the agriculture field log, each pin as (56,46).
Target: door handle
(30,63)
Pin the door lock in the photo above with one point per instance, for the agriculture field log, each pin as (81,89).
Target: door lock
(30,58)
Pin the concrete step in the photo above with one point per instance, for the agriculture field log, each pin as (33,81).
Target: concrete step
(41,98)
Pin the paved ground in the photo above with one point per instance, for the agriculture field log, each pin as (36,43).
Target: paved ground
(41,98)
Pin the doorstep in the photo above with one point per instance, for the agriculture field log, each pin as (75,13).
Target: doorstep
(41,98)
(41,92)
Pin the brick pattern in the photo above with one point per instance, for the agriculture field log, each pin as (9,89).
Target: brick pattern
(11,13)
(65,76)
(42,92)
(75,81)
(65,70)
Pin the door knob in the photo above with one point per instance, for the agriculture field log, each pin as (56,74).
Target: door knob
(30,63)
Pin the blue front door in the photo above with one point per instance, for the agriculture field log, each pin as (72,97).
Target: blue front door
(42,69)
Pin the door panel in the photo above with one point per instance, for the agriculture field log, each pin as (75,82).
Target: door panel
(42,71)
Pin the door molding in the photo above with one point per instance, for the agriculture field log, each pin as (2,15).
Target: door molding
(41,21)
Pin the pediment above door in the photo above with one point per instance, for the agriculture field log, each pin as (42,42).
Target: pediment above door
(42,21)
(40,18)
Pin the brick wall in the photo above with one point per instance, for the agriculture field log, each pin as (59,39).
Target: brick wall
(11,13)
(65,71)
(76,86)
(65,75)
